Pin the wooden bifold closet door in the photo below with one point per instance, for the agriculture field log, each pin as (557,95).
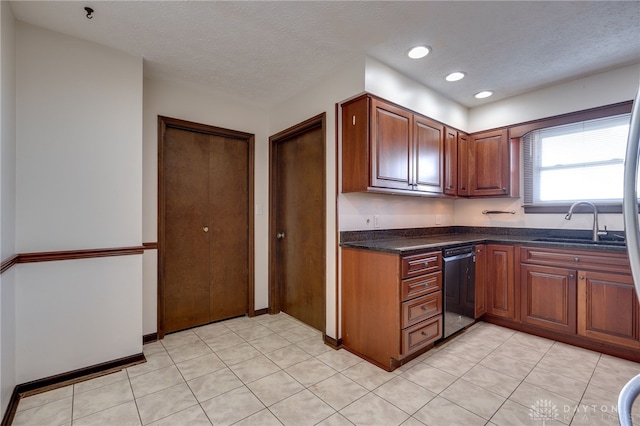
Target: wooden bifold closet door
(205,225)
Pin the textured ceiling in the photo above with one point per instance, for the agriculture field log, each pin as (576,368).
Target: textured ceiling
(264,52)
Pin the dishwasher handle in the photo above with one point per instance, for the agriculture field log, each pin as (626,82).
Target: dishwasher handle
(458,257)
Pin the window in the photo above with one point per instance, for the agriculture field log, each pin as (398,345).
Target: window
(577,161)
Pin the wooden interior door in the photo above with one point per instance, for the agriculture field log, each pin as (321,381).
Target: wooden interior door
(297,231)
(228,221)
(185,245)
(205,225)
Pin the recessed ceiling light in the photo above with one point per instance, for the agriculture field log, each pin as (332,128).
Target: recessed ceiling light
(483,94)
(455,76)
(418,52)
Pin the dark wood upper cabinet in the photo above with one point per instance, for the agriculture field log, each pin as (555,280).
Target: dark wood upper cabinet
(391,146)
(450,161)
(493,164)
(428,159)
(463,165)
(390,149)
(386,148)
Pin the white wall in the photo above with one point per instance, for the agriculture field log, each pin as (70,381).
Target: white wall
(358,211)
(92,315)
(182,102)
(589,92)
(7,203)
(79,155)
(78,186)
(389,84)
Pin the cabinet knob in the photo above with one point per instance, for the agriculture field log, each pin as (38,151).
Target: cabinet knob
(582,277)
(504,189)
(576,259)
(424,333)
(424,308)
(280,235)
(205,228)
(571,276)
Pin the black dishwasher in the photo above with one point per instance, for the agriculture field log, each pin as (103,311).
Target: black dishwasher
(459,288)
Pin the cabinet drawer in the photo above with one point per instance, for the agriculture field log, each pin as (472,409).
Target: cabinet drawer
(421,335)
(420,264)
(422,308)
(576,259)
(420,286)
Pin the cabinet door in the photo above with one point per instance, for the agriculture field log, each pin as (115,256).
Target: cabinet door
(428,150)
(548,297)
(481,280)
(608,308)
(391,144)
(463,164)
(450,161)
(501,281)
(489,163)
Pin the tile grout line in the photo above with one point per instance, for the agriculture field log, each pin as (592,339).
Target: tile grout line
(522,380)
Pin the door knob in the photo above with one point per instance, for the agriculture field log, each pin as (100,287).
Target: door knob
(205,228)
(280,235)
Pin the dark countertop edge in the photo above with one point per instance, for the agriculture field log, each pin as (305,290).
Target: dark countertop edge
(395,245)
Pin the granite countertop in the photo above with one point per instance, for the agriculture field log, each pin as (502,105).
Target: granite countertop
(404,242)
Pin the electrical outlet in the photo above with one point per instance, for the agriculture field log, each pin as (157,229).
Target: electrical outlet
(368,221)
(376,221)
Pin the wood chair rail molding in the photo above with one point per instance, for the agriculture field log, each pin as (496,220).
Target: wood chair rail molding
(49,256)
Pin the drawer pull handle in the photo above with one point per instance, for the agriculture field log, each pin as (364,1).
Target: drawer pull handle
(423,283)
(424,333)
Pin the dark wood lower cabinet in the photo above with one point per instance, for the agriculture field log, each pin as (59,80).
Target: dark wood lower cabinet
(501,285)
(391,305)
(548,297)
(608,308)
(481,281)
(584,298)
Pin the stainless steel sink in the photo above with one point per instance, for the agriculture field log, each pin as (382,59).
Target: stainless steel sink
(582,241)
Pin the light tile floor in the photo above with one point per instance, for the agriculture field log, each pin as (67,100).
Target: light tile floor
(273,370)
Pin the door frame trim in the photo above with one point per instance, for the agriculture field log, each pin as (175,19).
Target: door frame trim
(320,121)
(163,124)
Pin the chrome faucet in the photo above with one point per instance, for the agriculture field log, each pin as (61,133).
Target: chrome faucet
(596,232)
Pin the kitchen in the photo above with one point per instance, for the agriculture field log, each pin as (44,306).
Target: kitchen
(177,99)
